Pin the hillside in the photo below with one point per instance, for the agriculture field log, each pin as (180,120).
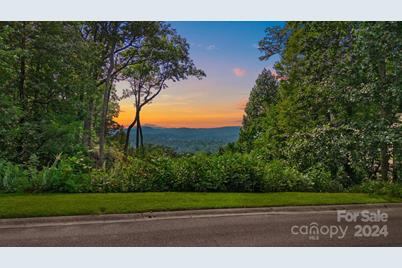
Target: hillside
(189,139)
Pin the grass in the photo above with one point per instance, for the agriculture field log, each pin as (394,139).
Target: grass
(35,205)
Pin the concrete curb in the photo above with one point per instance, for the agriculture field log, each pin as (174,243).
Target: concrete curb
(115,218)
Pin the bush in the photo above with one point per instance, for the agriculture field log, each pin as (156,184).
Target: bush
(279,177)
(225,172)
(379,187)
(64,175)
(322,180)
(13,178)
(192,173)
(229,172)
(119,178)
(199,173)
(237,172)
(134,175)
(69,175)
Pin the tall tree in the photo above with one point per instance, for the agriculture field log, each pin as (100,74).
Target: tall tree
(119,43)
(262,96)
(165,59)
(46,78)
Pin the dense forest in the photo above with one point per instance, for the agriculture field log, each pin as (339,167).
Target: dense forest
(328,118)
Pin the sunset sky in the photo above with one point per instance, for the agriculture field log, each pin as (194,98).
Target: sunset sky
(228,54)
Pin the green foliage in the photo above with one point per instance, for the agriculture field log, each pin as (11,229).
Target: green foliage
(47,78)
(57,81)
(192,173)
(134,175)
(242,172)
(322,180)
(70,175)
(227,172)
(262,97)
(199,172)
(13,178)
(9,114)
(330,119)
(338,104)
(280,177)
(379,188)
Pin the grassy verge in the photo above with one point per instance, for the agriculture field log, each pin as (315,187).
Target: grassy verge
(24,205)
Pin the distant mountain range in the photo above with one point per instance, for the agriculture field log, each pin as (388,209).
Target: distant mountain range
(184,140)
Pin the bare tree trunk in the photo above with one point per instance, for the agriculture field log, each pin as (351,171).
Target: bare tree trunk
(141,136)
(137,137)
(137,118)
(105,107)
(130,127)
(139,127)
(140,146)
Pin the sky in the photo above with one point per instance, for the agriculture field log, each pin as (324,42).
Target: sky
(227,52)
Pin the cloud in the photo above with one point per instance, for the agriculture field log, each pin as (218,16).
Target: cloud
(202,46)
(239,72)
(211,47)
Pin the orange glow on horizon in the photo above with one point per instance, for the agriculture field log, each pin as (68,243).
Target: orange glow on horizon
(192,104)
(183,116)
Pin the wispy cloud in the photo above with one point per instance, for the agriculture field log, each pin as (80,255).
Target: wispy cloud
(211,47)
(208,47)
(239,72)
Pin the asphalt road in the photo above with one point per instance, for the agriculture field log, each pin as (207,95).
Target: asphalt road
(232,227)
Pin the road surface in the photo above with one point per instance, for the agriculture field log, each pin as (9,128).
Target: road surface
(231,227)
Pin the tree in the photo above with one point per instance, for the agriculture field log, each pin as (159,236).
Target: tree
(262,96)
(165,58)
(119,43)
(44,80)
(341,102)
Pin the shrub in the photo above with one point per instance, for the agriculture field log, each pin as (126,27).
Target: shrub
(13,178)
(322,180)
(238,172)
(192,173)
(135,175)
(279,177)
(199,172)
(379,187)
(70,175)
(225,172)
(119,178)
(231,172)
(64,175)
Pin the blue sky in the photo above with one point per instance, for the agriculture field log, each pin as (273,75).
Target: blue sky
(228,53)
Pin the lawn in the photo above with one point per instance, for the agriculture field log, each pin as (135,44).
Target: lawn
(34,205)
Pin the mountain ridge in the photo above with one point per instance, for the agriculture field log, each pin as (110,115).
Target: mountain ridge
(188,140)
